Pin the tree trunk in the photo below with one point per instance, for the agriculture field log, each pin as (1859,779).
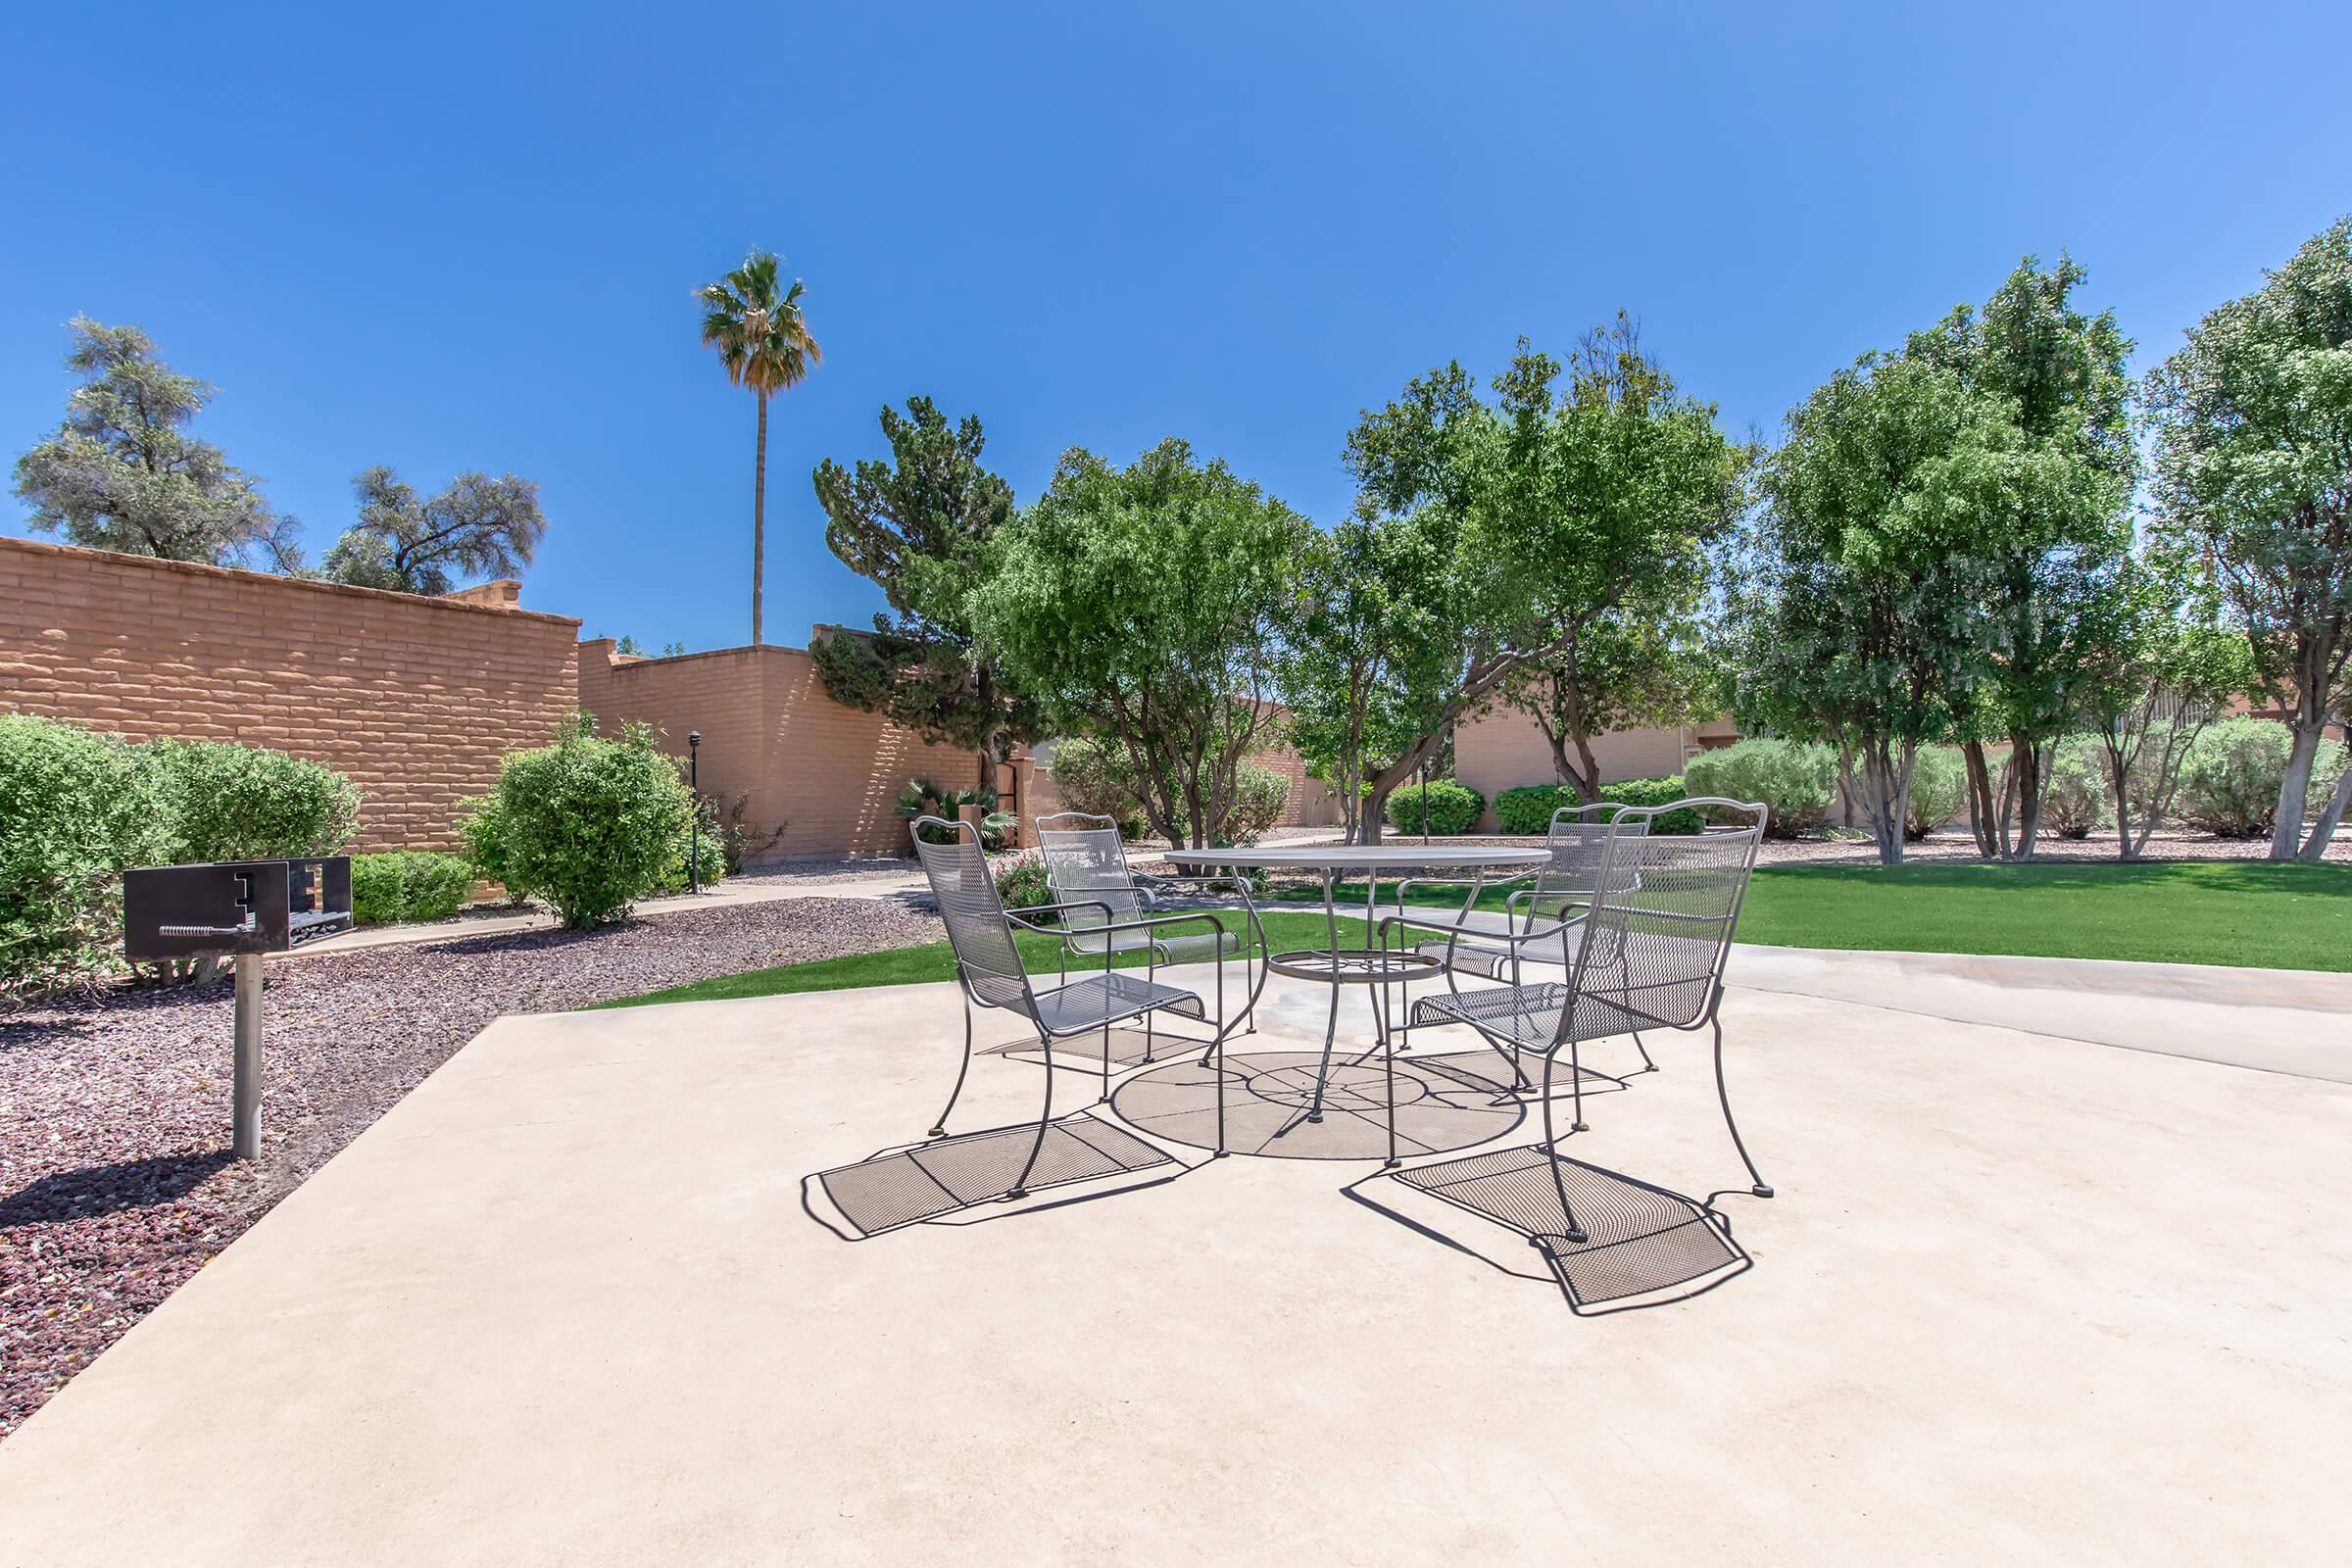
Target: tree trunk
(1981,816)
(2314,847)
(2030,764)
(2294,790)
(758,518)
(2118,769)
(1373,815)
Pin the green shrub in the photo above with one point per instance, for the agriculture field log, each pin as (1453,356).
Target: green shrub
(1258,797)
(1796,781)
(409,885)
(1094,778)
(923,797)
(714,861)
(75,808)
(1938,789)
(248,803)
(1021,882)
(1452,808)
(2230,784)
(589,825)
(2077,797)
(1529,808)
(1657,792)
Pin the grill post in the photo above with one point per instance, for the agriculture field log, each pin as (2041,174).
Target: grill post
(246,1124)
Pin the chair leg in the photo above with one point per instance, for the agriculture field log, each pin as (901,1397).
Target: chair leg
(1020,1183)
(1761,1189)
(939,1128)
(1648,1065)
(1551,1157)
(1576,1087)
(1105,1094)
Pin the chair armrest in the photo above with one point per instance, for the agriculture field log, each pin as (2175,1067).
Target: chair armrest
(1449,928)
(1015,916)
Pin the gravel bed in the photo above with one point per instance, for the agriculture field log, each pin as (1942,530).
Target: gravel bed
(115,1181)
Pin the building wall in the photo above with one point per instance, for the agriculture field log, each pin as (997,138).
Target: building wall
(829,775)
(416,699)
(1502,749)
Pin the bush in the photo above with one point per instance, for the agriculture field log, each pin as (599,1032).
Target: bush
(1452,808)
(1938,789)
(1091,777)
(75,808)
(1021,882)
(247,802)
(714,861)
(1529,808)
(409,885)
(1794,780)
(1259,795)
(2230,784)
(587,825)
(2077,797)
(923,797)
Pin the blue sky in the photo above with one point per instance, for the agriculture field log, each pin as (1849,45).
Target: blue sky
(447,240)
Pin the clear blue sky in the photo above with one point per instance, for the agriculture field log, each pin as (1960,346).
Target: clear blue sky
(467,238)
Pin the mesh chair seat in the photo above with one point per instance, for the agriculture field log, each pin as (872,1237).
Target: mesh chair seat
(1488,957)
(1100,998)
(1198,947)
(1530,1016)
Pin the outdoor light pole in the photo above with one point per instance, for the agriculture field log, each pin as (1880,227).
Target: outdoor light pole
(694,833)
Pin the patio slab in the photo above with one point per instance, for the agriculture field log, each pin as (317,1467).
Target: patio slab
(2022,1297)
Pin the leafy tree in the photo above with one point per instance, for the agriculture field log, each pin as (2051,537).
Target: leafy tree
(1144,605)
(2051,503)
(2254,478)
(1548,521)
(919,525)
(764,344)
(479,527)
(1857,604)
(123,474)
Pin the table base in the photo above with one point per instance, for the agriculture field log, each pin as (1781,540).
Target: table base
(1443,1103)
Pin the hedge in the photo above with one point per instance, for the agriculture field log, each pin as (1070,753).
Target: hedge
(1528,810)
(1796,781)
(409,885)
(248,803)
(2230,784)
(75,808)
(1452,808)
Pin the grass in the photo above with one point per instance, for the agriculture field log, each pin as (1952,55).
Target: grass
(2237,913)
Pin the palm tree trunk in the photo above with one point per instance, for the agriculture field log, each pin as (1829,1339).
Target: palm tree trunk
(758,519)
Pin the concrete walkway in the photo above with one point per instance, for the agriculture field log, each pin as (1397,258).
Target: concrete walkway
(2023,1297)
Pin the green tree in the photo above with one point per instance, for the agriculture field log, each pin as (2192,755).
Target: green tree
(123,473)
(479,527)
(1856,604)
(918,525)
(1145,605)
(2051,501)
(2254,479)
(764,344)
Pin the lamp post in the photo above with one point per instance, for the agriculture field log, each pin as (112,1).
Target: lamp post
(694,833)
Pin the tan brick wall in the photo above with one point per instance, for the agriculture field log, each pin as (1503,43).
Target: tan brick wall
(1502,749)
(416,699)
(830,774)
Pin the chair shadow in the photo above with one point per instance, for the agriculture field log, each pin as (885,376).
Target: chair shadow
(1648,1247)
(95,1189)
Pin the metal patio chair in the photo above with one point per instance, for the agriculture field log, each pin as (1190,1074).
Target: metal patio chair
(990,971)
(1651,955)
(1086,866)
(1578,838)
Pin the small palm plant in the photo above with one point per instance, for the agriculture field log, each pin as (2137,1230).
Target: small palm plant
(764,344)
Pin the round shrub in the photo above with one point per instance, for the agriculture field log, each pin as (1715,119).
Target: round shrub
(1258,797)
(75,808)
(1096,779)
(1794,780)
(1452,808)
(2230,784)
(1529,808)
(589,825)
(1657,792)
(248,803)
(1938,789)
(409,885)
(2077,797)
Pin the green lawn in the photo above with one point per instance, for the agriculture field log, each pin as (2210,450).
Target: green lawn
(2227,912)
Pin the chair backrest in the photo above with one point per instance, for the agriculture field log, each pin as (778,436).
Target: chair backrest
(966,894)
(1663,915)
(1578,840)
(1085,859)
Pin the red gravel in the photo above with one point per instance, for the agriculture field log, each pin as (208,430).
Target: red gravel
(115,1181)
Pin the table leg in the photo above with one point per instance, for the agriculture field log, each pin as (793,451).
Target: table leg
(1331,1026)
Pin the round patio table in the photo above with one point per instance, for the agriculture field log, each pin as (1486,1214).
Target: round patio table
(1285,1080)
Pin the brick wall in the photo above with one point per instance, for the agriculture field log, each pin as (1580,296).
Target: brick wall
(829,774)
(416,699)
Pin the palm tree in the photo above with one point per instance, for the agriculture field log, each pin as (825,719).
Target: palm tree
(765,345)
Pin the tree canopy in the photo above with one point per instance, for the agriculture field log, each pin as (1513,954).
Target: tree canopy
(757,326)
(918,525)
(123,472)
(480,529)
(2254,480)
(1144,607)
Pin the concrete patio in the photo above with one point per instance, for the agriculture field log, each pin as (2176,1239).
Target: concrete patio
(2024,1296)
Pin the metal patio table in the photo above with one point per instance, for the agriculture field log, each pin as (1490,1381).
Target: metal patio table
(1337,965)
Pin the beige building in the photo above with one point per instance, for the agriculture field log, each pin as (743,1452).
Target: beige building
(1502,749)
